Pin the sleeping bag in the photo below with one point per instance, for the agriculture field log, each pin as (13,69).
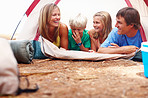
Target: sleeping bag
(23,50)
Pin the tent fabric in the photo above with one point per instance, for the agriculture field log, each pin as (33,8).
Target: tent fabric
(8,69)
(57,1)
(32,6)
(88,8)
(146,1)
(141,6)
(128,3)
(29,29)
(49,49)
(22,50)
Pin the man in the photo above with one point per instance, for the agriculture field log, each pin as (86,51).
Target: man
(125,38)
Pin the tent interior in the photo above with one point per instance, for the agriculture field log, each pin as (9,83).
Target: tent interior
(22,25)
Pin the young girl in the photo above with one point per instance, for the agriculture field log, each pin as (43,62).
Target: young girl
(102,24)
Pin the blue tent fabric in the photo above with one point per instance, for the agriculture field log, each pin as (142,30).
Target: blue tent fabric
(37,50)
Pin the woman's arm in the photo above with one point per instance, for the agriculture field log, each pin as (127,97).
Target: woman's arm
(63,33)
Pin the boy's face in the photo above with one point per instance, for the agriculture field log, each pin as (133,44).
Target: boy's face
(78,30)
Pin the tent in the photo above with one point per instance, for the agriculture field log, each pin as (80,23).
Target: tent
(12,15)
(89,8)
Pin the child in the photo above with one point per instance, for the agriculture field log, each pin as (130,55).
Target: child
(78,37)
(102,24)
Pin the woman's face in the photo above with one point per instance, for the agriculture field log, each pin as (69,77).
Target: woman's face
(55,18)
(97,24)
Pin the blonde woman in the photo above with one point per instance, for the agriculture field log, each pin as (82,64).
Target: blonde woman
(78,37)
(51,28)
(102,24)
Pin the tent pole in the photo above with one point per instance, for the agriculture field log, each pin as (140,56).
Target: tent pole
(16,28)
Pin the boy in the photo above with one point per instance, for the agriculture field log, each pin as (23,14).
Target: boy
(78,37)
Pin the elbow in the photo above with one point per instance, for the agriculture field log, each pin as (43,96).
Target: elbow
(105,50)
(100,50)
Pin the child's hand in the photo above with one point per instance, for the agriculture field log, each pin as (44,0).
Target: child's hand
(76,36)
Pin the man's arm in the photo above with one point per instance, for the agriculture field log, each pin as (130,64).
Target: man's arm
(118,50)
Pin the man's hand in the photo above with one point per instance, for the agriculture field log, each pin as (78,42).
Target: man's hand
(113,45)
(129,49)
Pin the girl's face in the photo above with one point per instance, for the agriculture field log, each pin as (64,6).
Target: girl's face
(97,24)
(55,18)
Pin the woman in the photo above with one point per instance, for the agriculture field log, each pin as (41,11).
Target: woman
(102,24)
(51,28)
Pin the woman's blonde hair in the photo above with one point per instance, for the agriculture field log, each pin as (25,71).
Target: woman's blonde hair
(79,21)
(44,18)
(106,20)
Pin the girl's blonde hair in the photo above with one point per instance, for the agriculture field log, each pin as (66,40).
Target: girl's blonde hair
(106,20)
(79,21)
(44,18)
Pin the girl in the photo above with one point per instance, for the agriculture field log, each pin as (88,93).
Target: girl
(102,24)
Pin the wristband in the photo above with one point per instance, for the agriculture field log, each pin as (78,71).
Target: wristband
(79,44)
